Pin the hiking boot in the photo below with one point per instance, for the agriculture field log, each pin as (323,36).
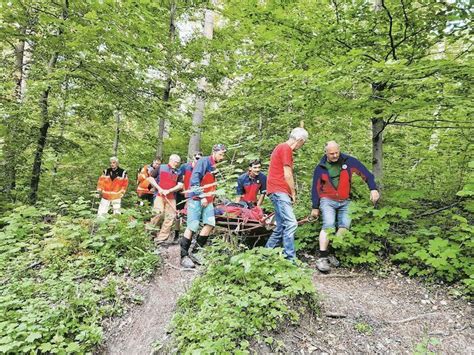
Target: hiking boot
(333,261)
(187,263)
(323,265)
(196,258)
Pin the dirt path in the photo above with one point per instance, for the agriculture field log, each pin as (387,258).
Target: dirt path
(367,314)
(361,313)
(139,329)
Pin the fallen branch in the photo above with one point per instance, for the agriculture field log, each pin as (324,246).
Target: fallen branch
(438,210)
(340,276)
(31,266)
(439,333)
(179,268)
(406,320)
(335,315)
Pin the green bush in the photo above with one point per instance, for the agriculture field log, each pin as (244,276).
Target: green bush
(443,253)
(365,243)
(238,297)
(436,246)
(61,273)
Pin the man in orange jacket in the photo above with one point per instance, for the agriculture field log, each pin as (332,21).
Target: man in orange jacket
(144,188)
(112,185)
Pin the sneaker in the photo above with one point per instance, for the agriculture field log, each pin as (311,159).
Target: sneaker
(323,264)
(333,261)
(187,263)
(196,258)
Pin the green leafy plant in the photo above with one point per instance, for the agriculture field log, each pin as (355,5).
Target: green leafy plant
(426,347)
(363,328)
(364,243)
(239,297)
(440,253)
(61,273)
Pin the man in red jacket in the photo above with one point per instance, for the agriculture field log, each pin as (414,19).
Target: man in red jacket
(330,194)
(185,172)
(250,183)
(165,179)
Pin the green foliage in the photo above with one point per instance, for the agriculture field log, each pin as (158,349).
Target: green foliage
(364,243)
(468,190)
(239,297)
(363,328)
(427,346)
(438,247)
(439,252)
(61,273)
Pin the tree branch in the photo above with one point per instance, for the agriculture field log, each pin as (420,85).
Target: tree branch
(468,50)
(431,127)
(438,210)
(432,120)
(390,34)
(336,9)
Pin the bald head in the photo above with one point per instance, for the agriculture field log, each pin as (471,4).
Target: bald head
(330,144)
(332,151)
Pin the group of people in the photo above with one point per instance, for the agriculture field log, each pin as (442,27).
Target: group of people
(166,186)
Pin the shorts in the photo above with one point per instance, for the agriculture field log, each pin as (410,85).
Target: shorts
(335,213)
(197,214)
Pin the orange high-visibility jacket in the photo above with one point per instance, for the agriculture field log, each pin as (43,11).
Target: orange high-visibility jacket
(144,187)
(113,183)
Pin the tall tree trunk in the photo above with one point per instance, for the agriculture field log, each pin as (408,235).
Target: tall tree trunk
(118,118)
(377,4)
(162,120)
(198,115)
(45,121)
(63,119)
(20,85)
(260,133)
(11,147)
(378,123)
(43,133)
(168,83)
(378,126)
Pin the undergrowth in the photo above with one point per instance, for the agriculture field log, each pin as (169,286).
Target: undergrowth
(240,296)
(61,273)
(437,246)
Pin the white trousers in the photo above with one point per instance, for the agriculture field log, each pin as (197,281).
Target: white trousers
(105,205)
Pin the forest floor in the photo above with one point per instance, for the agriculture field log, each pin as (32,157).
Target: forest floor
(361,313)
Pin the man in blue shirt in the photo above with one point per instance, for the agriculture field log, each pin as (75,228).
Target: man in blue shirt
(200,204)
(249,184)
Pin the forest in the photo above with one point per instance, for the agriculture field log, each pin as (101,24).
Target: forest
(82,81)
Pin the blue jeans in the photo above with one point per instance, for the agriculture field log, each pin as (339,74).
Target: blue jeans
(286,224)
(330,209)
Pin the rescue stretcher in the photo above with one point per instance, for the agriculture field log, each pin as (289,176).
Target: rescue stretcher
(253,229)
